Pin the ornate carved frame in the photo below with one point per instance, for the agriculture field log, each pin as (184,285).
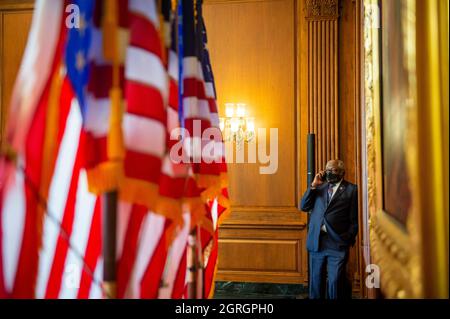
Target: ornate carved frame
(394,250)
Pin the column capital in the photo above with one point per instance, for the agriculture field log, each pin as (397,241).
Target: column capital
(321,9)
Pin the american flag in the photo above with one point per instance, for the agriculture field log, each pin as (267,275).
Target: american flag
(149,182)
(218,204)
(200,114)
(49,217)
(92,111)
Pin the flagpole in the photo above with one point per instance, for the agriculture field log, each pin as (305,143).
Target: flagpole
(192,264)
(311,171)
(111,50)
(109,243)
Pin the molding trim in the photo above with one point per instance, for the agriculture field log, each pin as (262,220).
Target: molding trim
(265,218)
(14,5)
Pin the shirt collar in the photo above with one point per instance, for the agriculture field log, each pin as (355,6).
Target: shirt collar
(336,186)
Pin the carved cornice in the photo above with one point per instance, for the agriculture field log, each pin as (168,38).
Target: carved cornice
(321,9)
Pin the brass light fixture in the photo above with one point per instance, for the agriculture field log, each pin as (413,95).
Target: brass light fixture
(236,125)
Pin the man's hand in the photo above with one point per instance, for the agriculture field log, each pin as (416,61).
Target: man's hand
(318,179)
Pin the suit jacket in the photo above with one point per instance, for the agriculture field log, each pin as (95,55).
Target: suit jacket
(340,216)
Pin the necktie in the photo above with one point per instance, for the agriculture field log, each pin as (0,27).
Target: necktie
(330,192)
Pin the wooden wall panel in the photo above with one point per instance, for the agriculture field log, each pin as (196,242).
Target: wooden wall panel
(267,254)
(276,255)
(254,53)
(253,63)
(15,21)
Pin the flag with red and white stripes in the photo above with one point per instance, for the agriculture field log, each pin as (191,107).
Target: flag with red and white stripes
(109,40)
(50,243)
(152,184)
(201,117)
(68,142)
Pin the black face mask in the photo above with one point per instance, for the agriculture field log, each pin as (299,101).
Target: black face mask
(332,178)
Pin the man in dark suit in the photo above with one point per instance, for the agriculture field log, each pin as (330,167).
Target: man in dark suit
(333,225)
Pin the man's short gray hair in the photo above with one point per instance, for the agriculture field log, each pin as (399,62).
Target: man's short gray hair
(340,164)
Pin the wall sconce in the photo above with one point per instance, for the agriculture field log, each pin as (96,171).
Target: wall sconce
(236,126)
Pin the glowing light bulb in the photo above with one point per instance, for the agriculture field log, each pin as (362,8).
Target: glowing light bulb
(222,124)
(240,111)
(229,109)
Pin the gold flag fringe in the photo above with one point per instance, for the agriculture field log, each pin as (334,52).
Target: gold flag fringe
(107,177)
(50,147)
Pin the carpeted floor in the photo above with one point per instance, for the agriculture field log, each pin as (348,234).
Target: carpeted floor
(241,290)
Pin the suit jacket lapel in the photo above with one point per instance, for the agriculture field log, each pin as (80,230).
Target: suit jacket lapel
(324,194)
(339,191)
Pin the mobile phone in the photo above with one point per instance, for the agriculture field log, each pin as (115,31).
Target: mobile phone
(323,177)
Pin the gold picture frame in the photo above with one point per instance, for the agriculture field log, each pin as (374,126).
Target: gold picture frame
(413,256)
